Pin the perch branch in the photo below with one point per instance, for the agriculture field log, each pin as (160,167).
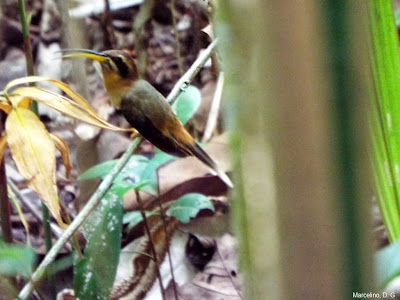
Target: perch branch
(78,221)
(185,80)
(214,110)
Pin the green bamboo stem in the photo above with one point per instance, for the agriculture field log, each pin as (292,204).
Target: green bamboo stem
(385,120)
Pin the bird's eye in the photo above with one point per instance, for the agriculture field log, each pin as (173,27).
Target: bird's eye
(121,65)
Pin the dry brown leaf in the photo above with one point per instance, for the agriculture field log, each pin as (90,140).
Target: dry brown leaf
(143,269)
(63,148)
(3,144)
(5,107)
(61,85)
(65,106)
(33,151)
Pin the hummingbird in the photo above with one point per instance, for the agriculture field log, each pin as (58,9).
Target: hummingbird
(144,107)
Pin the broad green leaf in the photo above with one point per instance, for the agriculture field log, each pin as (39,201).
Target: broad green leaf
(95,273)
(187,104)
(135,217)
(16,260)
(129,178)
(134,166)
(63,105)
(120,187)
(188,206)
(34,154)
(98,171)
(387,264)
(62,146)
(150,172)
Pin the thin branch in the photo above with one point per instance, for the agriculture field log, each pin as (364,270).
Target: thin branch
(166,237)
(214,110)
(110,40)
(190,74)
(78,221)
(153,249)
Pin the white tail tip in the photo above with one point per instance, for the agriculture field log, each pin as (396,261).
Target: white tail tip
(223,177)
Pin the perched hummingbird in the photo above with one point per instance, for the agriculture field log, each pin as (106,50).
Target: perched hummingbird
(144,107)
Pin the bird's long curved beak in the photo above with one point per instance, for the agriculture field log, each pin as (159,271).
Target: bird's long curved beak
(94,55)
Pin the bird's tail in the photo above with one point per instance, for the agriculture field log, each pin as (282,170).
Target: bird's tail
(207,160)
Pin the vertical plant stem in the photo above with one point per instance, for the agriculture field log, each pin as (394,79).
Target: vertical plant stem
(27,45)
(166,237)
(34,108)
(74,237)
(5,209)
(153,249)
(139,26)
(109,36)
(176,36)
(49,244)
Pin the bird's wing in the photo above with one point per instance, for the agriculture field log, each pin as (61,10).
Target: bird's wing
(153,105)
(148,111)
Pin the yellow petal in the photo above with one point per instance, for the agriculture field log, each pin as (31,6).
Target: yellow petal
(65,106)
(3,144)
(34,154)
(63,148)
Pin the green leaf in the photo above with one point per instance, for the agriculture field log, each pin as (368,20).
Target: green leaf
(150,172)
(121,187)
(135,217)
(385,111)
(16,260)
(187,104)
(188,206)
(95,273)
(98,171)
(387,264)
(134,167)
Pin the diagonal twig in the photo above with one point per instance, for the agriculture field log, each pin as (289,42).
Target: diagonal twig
(214,110)
(78,221)
(190,74)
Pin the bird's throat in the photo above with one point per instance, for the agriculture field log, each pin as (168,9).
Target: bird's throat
(117,88)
